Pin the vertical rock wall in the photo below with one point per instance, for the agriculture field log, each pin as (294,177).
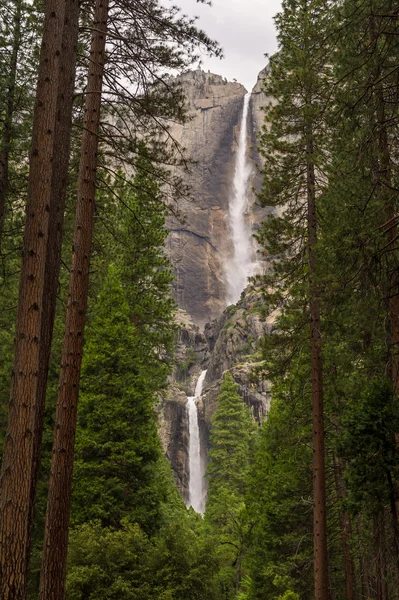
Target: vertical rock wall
(199,245)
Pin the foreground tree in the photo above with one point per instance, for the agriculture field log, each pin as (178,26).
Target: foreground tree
(34,318)
(293,145)
(231,445)
(117,473)
(53,573)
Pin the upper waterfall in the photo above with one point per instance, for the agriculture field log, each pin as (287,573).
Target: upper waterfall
(240,266)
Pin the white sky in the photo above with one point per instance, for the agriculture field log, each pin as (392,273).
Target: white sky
(244,29)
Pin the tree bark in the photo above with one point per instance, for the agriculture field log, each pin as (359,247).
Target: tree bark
(383,180)
(9,115)
(346,530)
(59,185)
(53,572)
(319,476)
(379,580)
(364,570)
(18,458)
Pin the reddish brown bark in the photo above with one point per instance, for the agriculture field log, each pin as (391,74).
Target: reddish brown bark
(319,475)
(59,184)
(18,458)
(9,115)
(52,581)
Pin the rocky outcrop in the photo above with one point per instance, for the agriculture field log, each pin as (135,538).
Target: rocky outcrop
(191,357)
(173,431)
(191,354)
(234,344)
(229,343)
(198,245)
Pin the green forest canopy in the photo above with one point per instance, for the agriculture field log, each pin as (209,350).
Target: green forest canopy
(304,506)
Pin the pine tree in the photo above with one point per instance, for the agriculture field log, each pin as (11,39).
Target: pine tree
(279,498)
(293,145)
(25,422)
(231,445)
(230,437)
(117,447)
(53,573)
(10,96)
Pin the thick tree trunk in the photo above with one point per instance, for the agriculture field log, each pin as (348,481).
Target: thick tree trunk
(52,580)
(59,185)
(319,476)
(9,115)
(346,529)
(18,458)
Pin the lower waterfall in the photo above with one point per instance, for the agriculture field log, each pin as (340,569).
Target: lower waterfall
(196,489)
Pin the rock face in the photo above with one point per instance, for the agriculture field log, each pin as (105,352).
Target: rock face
(191,356)
(234,344)
(230,343)
(173,431)
(200,245)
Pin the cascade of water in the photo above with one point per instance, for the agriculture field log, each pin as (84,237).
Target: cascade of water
(240,266)
(196,492)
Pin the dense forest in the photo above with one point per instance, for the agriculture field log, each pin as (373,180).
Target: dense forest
(304,505)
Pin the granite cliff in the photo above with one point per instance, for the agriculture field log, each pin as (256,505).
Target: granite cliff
(211,335)
(200,244)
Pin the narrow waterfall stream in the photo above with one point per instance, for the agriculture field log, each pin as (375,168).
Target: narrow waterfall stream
(196,490)
(240,266)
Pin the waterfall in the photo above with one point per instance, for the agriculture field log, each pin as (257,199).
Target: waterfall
(240,266)
(196,492)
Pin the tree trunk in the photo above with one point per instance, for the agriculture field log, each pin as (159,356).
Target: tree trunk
(384,188)
(52,580)
(383,181)
(319,476)
(59,185)
(9,115)
(18,458)
(364,570)
(394,515)
(379,579)
(346,530)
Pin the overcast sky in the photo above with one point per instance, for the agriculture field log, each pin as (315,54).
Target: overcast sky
(244,29)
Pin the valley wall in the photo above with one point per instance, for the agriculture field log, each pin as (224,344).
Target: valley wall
(211,335)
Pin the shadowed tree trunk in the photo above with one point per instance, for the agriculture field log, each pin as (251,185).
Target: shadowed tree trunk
(18,458)
(346,531)
(378,558)
(319,475)
(53,573)
(364,567)
(9,114)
